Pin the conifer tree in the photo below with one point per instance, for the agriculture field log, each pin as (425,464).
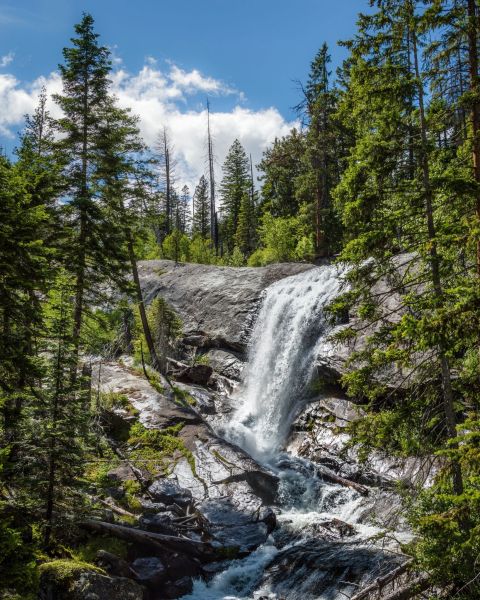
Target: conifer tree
(85,94)
(234,185)
(201,211)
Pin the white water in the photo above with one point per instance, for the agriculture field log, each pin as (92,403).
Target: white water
(288,334)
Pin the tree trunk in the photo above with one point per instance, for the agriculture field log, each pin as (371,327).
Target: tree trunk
(141,304)
(475,110)
(157,541)
(448,404)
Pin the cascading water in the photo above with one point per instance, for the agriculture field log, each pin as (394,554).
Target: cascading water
(290,332)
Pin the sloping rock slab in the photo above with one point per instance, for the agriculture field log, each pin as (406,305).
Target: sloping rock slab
(219,469)
(216,304)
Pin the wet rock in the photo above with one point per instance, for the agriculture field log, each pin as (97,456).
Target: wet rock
(149,571)
(179,565)
(168,492)
(207,466)
(214,303)
(162,522)
(318,568)
(231,527)
(227,363)
(177,589)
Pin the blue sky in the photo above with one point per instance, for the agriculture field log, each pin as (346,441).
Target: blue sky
(245,54)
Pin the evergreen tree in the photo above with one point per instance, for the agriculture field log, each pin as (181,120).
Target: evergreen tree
(321,148)
(85,95)
(281,166)
(201,209)
(235,184)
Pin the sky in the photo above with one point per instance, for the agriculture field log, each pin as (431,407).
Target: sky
(246,56)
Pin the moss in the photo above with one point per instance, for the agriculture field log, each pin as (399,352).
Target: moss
(87,553)
(115,400)
(96,471)
(165,444)
(222,459)
(65,571)
(182,397)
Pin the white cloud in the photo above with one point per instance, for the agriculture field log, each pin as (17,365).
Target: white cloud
(194,81)
(6,59)
(161,98)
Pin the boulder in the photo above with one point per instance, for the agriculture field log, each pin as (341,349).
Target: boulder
(162,522)
(68,582)
(231,527)
(177,589)
(149,571)
(114,565)
(199,374)
(169,493)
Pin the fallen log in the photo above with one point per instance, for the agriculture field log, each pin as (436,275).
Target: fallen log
(415,587)
(382,581)
(201,550)
(328,475)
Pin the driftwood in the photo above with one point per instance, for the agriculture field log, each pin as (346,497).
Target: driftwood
(411,590)
(328,475)
(382,581)
(116,509)
(158,541)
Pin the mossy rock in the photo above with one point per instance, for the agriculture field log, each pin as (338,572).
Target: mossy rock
(76,580)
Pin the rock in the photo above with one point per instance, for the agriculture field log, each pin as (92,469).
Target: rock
(83,584)
(114,565)
(179,565)
(231,527)
(162,522)
(121,474)
(216,304)
(177,589)
(226,362)
(208,466)
(117,493)
(149,571)
(199,374)
(152,508)
(168,492)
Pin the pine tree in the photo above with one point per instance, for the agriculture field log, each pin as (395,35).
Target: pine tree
(281,166)
(321,149)
(201,210)
(235,184)
(85,94)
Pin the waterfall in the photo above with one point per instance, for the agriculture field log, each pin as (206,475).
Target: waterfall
(301,560)
(288,334)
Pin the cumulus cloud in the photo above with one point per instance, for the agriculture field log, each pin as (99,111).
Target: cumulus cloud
(164,98)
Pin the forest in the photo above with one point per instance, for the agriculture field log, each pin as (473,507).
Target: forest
(381,180)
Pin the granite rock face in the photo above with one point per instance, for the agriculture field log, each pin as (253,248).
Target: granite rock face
(216,304)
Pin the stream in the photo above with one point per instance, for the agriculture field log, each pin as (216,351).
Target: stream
(327,542)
